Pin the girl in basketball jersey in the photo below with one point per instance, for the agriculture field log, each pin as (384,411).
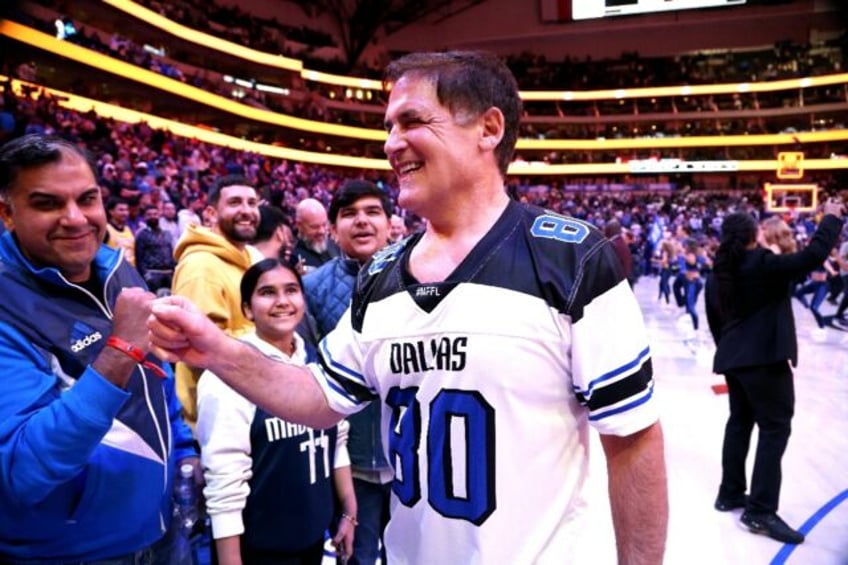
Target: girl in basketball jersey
(272,487)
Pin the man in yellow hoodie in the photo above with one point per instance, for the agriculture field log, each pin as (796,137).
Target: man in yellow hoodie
(210,265)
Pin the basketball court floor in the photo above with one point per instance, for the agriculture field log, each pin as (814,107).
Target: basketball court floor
(814,497)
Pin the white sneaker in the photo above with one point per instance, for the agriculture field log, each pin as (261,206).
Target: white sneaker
(704,356)
(818,335)
(684,326)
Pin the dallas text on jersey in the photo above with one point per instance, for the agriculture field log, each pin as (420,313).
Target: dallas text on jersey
(444,354)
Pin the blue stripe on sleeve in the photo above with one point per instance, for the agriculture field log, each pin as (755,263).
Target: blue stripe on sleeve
(339,368)
(640,358)
(629,406)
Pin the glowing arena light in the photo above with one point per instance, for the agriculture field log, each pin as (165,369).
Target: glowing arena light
(205,39)
(276,60)
(603,144)
(105,110)
(132,72)
(687,90)
(156,80)
(118,113)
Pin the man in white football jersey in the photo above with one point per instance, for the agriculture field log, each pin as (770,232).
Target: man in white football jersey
(494,341)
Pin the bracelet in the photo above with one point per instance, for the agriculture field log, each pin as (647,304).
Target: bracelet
(135,354)
(350,519)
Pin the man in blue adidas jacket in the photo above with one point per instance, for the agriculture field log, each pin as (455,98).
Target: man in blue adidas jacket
(89,424)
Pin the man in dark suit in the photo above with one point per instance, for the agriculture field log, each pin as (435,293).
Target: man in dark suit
(748,303)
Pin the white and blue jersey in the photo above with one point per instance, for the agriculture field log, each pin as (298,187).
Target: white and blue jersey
(489,382)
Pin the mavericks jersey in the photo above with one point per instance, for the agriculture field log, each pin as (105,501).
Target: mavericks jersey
(489,381)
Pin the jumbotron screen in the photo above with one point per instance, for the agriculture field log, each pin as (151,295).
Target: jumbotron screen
(589,9)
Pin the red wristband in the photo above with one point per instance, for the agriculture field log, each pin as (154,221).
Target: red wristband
(135,354)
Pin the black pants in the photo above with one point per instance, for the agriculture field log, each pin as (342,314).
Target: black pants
(843,304)
(313,555)
(765,396)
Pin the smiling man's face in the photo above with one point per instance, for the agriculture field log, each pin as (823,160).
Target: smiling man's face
(56,212)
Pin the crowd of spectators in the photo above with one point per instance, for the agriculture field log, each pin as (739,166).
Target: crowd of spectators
(782,60)
(238,26)
(144,166)
(298,101)
(678,116)
(137,162)
(609,119)
(181,169)
(153,169)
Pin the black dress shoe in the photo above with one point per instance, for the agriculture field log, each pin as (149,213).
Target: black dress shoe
(771,525)
(728,504)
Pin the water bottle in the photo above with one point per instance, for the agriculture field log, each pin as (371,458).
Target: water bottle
(186,512)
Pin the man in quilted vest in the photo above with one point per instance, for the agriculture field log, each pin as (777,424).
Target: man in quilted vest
(359,222)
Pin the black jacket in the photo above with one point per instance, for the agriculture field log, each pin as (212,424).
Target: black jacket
(764,332)
(312,259)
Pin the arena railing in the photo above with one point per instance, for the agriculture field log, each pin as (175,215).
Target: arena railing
(129,71)
(206,40)
(110,111)
(106,110)
(624,117)
(209,41)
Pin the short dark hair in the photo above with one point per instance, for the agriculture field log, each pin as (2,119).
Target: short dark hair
(270,218)
(468,81)
(223,182)
(353,190)
(251,277)
(34,150)
(612,228)
(114,201)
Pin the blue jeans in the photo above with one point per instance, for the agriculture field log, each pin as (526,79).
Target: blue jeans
(665,285)
(819,291)
(678,287)
(693,289)
(372,502)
